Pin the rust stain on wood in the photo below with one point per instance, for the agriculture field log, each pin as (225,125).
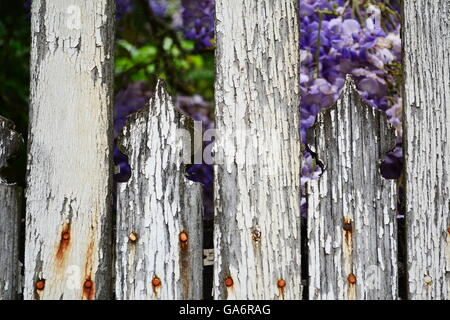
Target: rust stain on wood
(156,285)
(88,284)
(184,263)
(64,243)
(88,289)
(229,284)
(281,284)
(348,229)
(39,288)
(40,285)
(351,286)
(348,257)
(183,240)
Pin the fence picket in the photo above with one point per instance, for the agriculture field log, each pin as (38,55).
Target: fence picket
(257,151)
(426,63)
(68,223)
(159,225)
(352,229)
(10,211)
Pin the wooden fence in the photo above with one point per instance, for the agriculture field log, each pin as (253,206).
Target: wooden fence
(155,249)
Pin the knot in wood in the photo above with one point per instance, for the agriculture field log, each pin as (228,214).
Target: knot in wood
(428,280)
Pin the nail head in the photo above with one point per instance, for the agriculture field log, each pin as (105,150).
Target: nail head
(40,285)
(156,282)
(229,281)
(347,226)
(351,278)
(281,283)
(88,284)
(133,237)
(183,236)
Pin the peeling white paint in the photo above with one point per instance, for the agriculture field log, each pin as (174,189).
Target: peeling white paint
(426,65)
(258,150)
(350,138)
(10,211)
(157,204)
(70,163)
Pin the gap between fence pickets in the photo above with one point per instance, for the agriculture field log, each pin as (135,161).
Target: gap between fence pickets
(352,229)
(160,212)
(10,212)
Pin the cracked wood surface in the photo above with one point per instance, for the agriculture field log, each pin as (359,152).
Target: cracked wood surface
(352,229)
(160,212)
(69,183)
(10,212)
(426,98)
(257,151)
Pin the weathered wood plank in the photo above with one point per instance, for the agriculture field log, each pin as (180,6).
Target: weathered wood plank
(352,229)
(68,223)
(160,212)
(258,151)
(10,211)
(426,65)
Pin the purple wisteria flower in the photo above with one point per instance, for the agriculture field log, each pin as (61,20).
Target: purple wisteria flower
(198,22)
(123,7)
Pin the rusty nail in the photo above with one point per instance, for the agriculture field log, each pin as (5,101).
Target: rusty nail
(66,236)
(229,281)
(88,284)
(256,235)
(133,237)
(156,282)
(281,283)
(428,280)
(448,229)
(347,226)
(351,278)
(183,236)
(40,285)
